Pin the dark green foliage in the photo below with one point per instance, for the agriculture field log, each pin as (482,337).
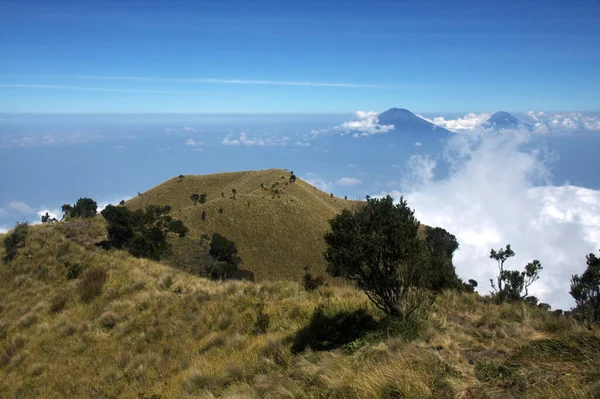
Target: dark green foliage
(194,198)
(48,219)
(330,332)
(292,178)
(15,240)
(141,246)
(585,289)
(346,197)
(221,210)
(203,198)
(143,232)
(331,195)
(220,270)
(513,285)
(262,321)
(469,286)
(177,226)
(441,245)
(233,193)
(84,208)
(377,247)
(310,282)
(120,225)
(73,270)
(223,249)
(91,284)
(122,203)
(66,210)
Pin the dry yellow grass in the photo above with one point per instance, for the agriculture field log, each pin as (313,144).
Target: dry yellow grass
(277,233)
(156,330)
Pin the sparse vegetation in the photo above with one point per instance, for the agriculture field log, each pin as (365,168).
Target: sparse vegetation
(513,285)
(155,331)
(83,208)
(142,232)
(91,284)
(15,240)
(194,198)
(310,282)
(585,289)
(46,218)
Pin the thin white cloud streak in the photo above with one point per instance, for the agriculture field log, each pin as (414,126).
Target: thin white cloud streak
(211,81)
(61,87)
(489,200)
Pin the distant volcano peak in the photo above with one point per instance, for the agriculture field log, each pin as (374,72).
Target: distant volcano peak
(405,121)
(503,120)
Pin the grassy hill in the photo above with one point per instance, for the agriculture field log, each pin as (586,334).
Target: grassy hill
(278,226)
(153,331)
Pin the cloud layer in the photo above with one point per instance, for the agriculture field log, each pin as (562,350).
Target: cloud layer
(489,200)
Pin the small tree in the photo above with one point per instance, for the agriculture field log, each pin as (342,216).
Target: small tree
(203,198)
(512,283)
(15,240)
(194,198)
(377,247)
(292,178)
(47,218)
(585,289)
(66,210)
(233,193)
(84,208)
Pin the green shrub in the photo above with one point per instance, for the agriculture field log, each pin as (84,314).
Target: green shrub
(15,240)
(73,270)
(310,282)
(91,284)
(223,249)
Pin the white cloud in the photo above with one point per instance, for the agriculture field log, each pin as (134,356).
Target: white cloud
(302,144)
(20,208)
(261,139)
(189,128)
(62,87)
(563,123)
(186,80)
(4,229)
(54,213)
(366,125)
(417,144)
(489,201)
(48,139)
(468,122)
(395,166)
(541,122)
(192,142)
(229,141)
(348,181)
(314,180)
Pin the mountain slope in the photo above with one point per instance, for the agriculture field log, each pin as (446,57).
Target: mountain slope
(157,332)
(278,228)
(405,122)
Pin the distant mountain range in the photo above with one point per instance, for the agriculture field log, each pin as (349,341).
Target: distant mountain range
(405,121)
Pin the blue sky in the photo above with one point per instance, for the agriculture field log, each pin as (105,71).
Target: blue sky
(275,56)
